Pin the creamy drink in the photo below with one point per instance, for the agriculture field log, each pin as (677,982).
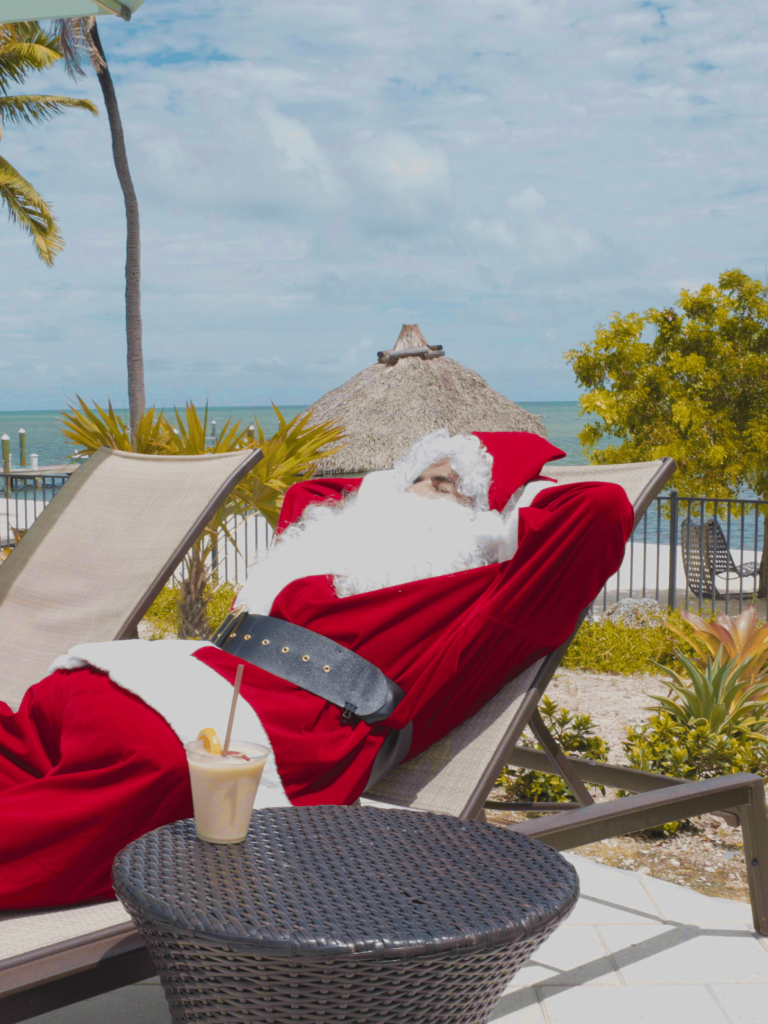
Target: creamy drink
(224,788)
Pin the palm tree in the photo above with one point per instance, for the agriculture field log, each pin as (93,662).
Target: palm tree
(25,47)
(80,44)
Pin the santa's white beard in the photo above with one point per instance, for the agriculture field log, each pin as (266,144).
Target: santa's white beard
(373,541)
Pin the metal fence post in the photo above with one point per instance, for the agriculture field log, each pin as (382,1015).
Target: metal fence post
(672,598)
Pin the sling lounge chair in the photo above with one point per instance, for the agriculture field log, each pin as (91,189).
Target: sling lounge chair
(87,571)
(707,557)
(456,775)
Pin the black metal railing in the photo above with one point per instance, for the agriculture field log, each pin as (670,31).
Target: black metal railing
(23,496)
(696,552)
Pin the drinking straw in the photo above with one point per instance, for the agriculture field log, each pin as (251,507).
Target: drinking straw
(238,681)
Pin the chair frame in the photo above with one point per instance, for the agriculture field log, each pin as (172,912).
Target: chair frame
(57,975)
(657,799)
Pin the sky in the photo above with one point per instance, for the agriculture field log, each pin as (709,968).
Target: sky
(505,173)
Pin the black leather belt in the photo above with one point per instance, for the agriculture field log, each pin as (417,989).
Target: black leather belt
(313,662)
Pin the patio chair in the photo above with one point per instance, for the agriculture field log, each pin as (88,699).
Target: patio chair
(456,775)
(88,570)
(706,556)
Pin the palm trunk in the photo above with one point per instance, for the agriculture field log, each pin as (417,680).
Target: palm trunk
(136,399)
(193,601)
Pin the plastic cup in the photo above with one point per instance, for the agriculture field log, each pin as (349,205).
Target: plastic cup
(224,789)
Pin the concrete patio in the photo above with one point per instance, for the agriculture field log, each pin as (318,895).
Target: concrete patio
(635,950)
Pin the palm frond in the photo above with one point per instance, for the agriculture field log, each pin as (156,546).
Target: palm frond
(290,456)
(29,210)
(25,47)
(92,428)
(76,45)
(33,109)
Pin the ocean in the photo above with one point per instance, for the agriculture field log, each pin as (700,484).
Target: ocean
(561,421)
(43,428)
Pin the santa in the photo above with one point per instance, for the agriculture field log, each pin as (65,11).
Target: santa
(447,575)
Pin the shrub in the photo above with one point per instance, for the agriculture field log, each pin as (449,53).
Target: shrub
(163,615)
(575,734)
(289,456)
(665,745)
(709,724)
(606,646)
(611,646)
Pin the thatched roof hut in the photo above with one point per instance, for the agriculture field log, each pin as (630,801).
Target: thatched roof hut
(412,389)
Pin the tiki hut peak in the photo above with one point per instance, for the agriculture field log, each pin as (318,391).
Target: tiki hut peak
(412,389)
(410,342)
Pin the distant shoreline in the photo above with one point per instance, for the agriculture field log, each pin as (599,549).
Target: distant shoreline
(170,405)
(43,426)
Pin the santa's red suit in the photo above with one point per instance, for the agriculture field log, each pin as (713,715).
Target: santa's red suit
(87,766)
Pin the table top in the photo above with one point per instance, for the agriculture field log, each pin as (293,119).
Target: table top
(320,881)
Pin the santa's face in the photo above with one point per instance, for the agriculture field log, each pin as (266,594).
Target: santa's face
(439,481)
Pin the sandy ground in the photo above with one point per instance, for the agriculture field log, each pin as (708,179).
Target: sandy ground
(614,702)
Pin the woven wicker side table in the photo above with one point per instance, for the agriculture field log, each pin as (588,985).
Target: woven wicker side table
(337,914)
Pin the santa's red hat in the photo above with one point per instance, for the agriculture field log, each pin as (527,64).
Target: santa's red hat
(518,458)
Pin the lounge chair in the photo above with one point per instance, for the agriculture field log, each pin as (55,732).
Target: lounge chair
(88,570)
(455,776)
(706,556)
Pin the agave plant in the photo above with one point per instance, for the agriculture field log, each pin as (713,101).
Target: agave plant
(715,696)
(740,638)
(289,456)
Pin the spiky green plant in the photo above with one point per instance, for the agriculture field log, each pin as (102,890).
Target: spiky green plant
(714,695)
(289,456)
(740,637)
(89,429)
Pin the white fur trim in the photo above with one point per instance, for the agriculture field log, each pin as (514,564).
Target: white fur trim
(187,693)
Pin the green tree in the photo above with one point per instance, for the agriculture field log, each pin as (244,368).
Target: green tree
(25,47)
(80,44)
(690,382)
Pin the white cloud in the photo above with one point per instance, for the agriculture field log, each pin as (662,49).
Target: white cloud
(297,145)
(530,201)
(405,168)
(504,172)
(493,231)
(544,241)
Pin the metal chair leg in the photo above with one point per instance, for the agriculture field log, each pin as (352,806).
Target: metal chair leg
(753,819)
(743,794)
